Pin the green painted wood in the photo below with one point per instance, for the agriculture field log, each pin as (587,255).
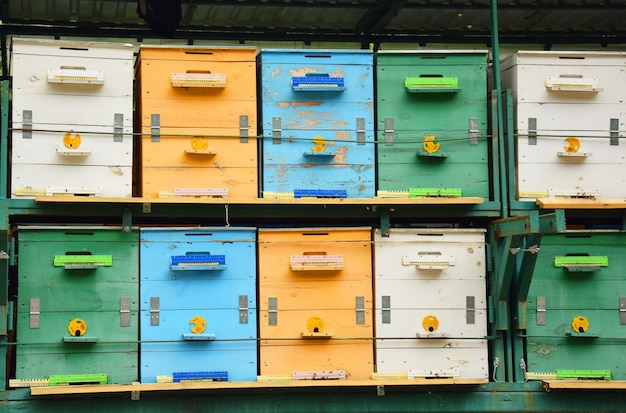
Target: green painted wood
(568,295)
(494,398)
(91,295)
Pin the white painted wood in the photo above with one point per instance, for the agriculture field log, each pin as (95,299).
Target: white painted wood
(113,181)
(468,359)
(457,345)
(406,323)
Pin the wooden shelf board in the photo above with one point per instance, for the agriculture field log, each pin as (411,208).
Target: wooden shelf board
(581,203)
(267,201)
(141,387)
(584,384)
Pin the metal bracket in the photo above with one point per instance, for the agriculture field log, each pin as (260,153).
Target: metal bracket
(470,309)
(360,310)
(27,124)
(243,309)
(155,304)
(386,309)
(276,130)
(135,393)
(389,132)
(541,311)
(155,127)
(272,311)
(360,131)
(532,131)
(473,131)
(34,312)
(127,220)
(614,129)
(124,312)
(380,390)
(385,224)
(118,127)
(243,129)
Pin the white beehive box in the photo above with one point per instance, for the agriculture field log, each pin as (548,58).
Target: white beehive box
(72,118)
(431,311)
(569,117)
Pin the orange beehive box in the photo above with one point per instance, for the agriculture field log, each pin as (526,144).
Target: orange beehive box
(315,299)
(196,112)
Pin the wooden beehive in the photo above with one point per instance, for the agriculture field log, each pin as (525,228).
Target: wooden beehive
(431,305)
(431,112)
(568,117)
(77,276)
(317,115)
(196,111)
(198,302)
(315,301)
(72,118)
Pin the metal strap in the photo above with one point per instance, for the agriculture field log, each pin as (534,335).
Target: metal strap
(243,129)
(155,304)
(473,131)
(360,310)
(470,309)
(124,312)
(34,312)
(386,309)
(532,131)
(541,311)
(27,124)
(360,131)
(614,132)
(622,310)
(155,127)
(272,311)
(118,127)
(243,309)
(389,131)
(276,130)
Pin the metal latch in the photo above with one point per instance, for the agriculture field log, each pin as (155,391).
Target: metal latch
(272,311)
(276,130)
(532,131)
(34,312)
(389,131)
(360,131)
(243,309)
(360,310)
(473,131)
(155,127)
(118,127)
(27,124)
(386,309)
(155,304)
(470,309)
(541,311)
(124,312)
(243,129)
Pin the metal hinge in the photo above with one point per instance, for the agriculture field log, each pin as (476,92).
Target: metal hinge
(614,129)
(473,131)
(470,309)
(243,128)
(360,310)
(27,124)
(389,131)
(118,127)
(532,131)
(34,312)
(386,309)
(360,131)
(155,127)
(276,130)
(124,312)
(541,311)
(272,311)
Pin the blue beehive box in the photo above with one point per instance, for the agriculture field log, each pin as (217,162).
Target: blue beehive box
(317,121)
(198,303)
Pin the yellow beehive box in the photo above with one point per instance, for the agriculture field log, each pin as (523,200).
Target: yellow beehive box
(196,112)
(315,298)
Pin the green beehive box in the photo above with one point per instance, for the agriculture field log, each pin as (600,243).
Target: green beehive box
(77,302)
(574,313)
(432,121)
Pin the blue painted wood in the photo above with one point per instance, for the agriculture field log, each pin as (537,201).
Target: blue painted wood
(212,295)
(319,147)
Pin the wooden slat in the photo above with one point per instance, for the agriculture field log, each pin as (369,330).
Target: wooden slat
(266,201)
(122,388)
(584,384)
(581,203)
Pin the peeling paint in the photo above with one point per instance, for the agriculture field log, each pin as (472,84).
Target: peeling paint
(116,170)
